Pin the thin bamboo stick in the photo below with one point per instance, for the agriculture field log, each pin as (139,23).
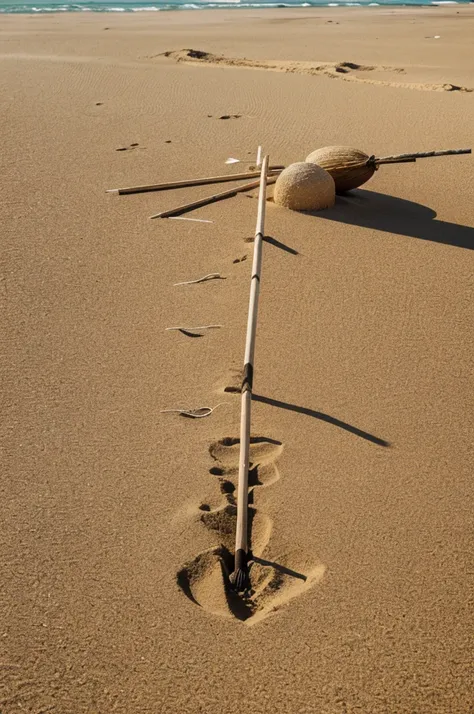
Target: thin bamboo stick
(189,182)
(394,161)
(239,579)
(210,199)
(419,155)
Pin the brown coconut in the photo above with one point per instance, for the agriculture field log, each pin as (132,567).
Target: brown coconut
(347,166)
(304,187)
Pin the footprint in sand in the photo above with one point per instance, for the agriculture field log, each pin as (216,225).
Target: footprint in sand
(345,71)
(135,145)
(232,383)
(205,580)
(240,260)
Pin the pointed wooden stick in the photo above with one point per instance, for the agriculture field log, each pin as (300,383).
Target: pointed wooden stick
(420,155)
(210,199)
(190,182)
(239,579)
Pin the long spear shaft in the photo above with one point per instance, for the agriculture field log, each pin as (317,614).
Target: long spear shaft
(190,182)
(239,579)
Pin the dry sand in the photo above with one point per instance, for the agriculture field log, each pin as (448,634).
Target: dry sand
(114,516)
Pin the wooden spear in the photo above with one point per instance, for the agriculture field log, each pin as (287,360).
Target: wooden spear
(239,579)
(210,199)
(190,182)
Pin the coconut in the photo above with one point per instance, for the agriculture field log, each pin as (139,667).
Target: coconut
(304,187)
(347,166)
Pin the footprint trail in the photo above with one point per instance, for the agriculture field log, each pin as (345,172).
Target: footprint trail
(205,579)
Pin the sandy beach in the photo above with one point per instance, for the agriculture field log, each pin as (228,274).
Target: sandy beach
(112,597)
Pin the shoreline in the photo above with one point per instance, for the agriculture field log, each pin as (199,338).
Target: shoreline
(116,9)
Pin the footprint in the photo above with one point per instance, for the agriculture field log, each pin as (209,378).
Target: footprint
(262,471)
(231,383)
(262,451)
(205,580)
(223,521)
(344,71)
(135,145)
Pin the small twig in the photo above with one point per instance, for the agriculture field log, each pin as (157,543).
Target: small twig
(193,329)
(198,413)
(210,276)
(183,218)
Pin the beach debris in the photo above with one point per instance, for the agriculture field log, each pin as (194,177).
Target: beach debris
(231,160)
(240,260)
(210,199)
(197,413)
(187,182)
(204,279)
(351,167)
(195,220)
(305,187)
(192,331)
(259,157)
(239,579)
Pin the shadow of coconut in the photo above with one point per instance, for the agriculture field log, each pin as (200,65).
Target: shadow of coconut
(382,212)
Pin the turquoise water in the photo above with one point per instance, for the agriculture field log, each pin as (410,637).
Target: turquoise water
(45,6)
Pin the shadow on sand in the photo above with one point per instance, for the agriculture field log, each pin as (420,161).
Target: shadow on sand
(382,212)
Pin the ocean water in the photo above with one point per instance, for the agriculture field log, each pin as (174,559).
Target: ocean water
(48,6)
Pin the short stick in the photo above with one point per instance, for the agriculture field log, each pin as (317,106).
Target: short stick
(190,182)
(210,199)
(239,579)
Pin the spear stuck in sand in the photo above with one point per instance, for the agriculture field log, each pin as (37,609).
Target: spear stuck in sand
(239,579)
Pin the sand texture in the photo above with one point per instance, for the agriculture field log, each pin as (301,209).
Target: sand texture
(117,524)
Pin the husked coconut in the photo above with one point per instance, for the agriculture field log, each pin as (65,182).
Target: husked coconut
(304,187)
(349,167)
